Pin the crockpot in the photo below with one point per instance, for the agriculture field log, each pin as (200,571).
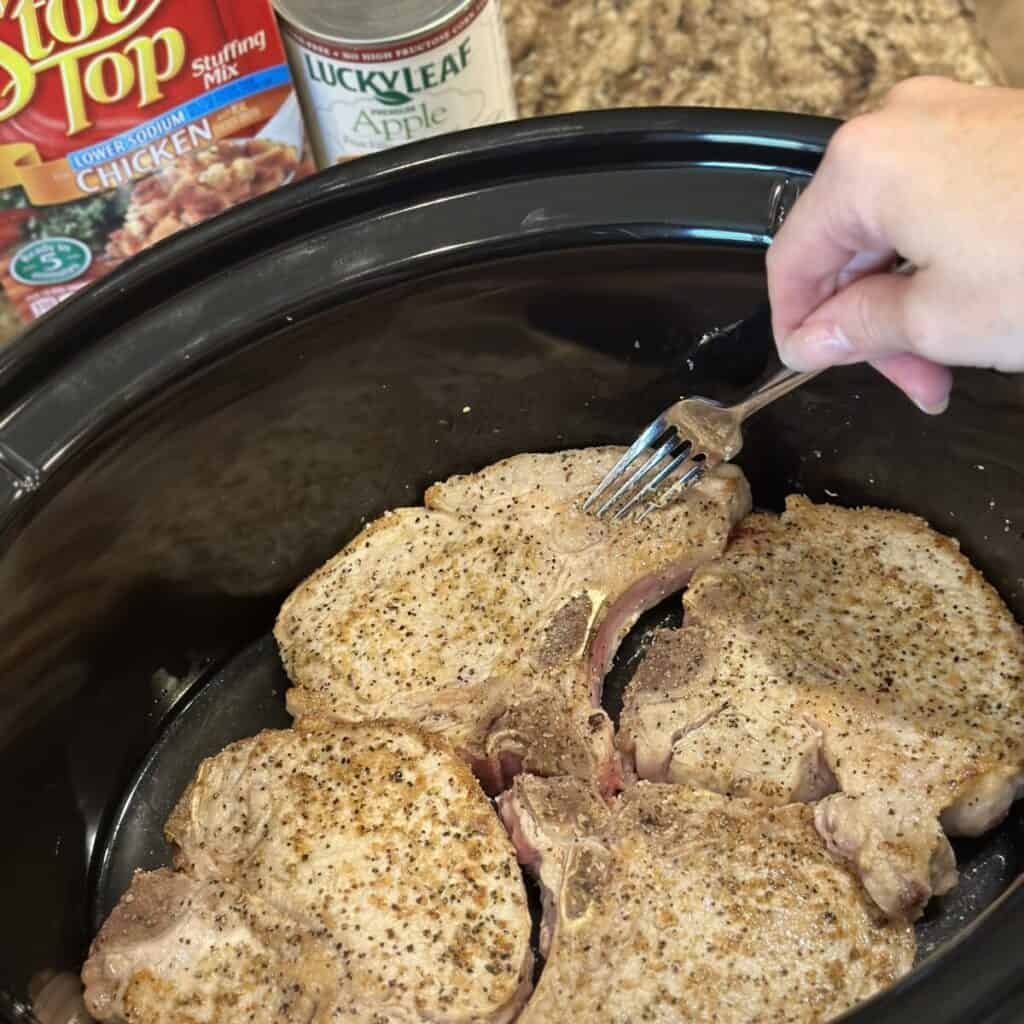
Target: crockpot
(181,443)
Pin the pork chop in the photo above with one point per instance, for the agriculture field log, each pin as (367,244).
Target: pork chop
(544,817)
(176,949)
(491,615)
(853,657)
(327,873)
(684,905)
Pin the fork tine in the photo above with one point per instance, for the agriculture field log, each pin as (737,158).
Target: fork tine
(634,479)
(647,437)
(681,456)
(691,476)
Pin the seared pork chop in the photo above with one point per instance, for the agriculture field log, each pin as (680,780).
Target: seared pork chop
(684,905)
(850,655)
(544,817)
(491,615)
(177,950)
(327,873)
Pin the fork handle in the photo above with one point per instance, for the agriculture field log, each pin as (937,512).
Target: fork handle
(781,384)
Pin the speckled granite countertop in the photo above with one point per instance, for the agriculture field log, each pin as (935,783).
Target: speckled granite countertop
(833,57)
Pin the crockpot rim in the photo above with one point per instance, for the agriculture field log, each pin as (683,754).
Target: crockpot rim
(567,141)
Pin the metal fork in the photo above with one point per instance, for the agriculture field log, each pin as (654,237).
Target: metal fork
(689,439)
(693,436)
(684,443)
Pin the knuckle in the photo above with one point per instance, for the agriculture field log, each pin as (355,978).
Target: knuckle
(853,140)
(867,165)
(916,89)
(851,134)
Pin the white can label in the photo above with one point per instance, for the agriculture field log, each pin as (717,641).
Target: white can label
(362,100)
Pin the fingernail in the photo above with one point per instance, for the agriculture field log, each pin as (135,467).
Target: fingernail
(814,347)
(933,409)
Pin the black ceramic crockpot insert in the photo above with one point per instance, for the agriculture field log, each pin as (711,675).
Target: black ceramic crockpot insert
(180,444)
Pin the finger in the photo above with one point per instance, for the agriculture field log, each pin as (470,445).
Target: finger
(865,321)
(925,383)
(828,237)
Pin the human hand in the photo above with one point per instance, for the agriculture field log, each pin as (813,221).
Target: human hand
(935,176)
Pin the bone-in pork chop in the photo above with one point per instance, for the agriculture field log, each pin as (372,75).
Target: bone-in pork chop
(177,950)
(491,615)
(850,655)
(328,873)
(684,905)
(544,817)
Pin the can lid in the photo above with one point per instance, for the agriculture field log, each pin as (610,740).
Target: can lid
(360,23)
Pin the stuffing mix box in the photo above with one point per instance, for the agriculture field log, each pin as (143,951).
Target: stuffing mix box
(123,121)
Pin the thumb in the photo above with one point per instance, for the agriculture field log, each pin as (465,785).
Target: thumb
(867,320)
